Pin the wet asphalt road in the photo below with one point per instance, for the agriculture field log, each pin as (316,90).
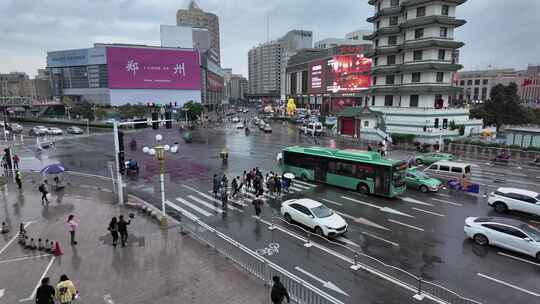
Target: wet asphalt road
(419,233)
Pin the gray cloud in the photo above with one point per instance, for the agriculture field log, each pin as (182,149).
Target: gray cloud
(501,33)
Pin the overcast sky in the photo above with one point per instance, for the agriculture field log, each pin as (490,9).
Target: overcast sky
(500,33)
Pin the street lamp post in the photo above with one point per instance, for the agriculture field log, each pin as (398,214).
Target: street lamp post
(159,152)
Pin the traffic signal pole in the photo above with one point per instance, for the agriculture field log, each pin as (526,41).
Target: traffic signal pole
(119,184)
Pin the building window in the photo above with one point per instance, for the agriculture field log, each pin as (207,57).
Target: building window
(415,77)
(484,81)
(376,61)
(389,79)
(440,76)
(469,82)
(394,3)
(378,25)
(462,83)
(366,123)
(392,40)
(444,10)
(442,54)
(420,11)
(389,100)
(444,32)
(436,124)
(484,93)
(393,20)
(417,55)
(373,100)
(475,93)
(418,33)
(379,7)
(477,82)
(391,59)
(374,80)
(445,123)
(413,101)
(376,42)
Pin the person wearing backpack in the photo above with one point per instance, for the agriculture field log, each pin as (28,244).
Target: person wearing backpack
(113,229)
(45,293)
(43,189)
(279,292)
(65,290)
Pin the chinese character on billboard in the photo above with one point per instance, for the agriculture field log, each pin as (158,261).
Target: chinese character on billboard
(348,73)
(316,77)
(140,68)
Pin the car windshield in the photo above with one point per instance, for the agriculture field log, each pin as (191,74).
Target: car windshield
(531,231)
(322,211)
(421,175)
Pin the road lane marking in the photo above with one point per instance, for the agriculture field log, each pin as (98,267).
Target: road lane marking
(515,181)
(331,202)
(26,257)
(301,186)
(13,239)
(200,201)
(209,197)
(383,209)
(326,284)
(347,241)
(428,212)
(406,225)
(533,221)
(304,183)
(361,220)
(442,194)
(297,189)
(447,202)
(194,207)
(517,258)
(509,285)
(32,295)
(415,201)
(180,209)
(380,239)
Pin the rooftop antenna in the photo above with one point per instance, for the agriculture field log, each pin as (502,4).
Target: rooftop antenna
(267,27)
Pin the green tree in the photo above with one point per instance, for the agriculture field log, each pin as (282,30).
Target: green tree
(83,109)
(194,110)
(502,108)
(130,111)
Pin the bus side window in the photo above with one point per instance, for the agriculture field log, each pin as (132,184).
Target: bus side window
(332,167)
(346,169)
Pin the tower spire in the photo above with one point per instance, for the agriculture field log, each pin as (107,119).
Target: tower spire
(193,5)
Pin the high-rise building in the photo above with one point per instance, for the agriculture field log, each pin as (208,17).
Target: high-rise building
(413,68)
(197,18)
(237,87)
(267,63)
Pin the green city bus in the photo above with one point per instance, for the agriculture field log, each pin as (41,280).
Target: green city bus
(363,171)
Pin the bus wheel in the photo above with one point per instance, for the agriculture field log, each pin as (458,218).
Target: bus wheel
(362,188)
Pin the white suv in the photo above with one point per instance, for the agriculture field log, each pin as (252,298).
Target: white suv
(504,199)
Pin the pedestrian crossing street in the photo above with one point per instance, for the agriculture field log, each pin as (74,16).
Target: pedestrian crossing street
(203,204)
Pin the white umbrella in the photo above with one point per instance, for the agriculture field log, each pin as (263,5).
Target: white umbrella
(288,175)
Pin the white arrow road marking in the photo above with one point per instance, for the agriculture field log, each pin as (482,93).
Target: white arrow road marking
(331,202)
(414,201)
(383,209)
(406,225)
(447,202)
(508,284)
(429,212)
(380,238)
(326,284)
(361,220)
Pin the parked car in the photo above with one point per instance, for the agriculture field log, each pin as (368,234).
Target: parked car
(262,124)
(505,199)
(54,131)
(419,180)
(14,128)
(240,125)
(74,130)
(432,157)
(505,233)
(38,131)
(267,128)
(314,215)
(235,119)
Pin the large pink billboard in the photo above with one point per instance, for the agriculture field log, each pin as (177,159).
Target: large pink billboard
(140,68)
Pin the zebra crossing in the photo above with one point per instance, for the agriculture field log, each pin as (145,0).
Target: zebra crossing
(199,204)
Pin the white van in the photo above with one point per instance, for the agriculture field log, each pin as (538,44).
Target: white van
(449,170)
(312,128)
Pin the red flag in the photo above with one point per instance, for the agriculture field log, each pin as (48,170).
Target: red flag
(526,82)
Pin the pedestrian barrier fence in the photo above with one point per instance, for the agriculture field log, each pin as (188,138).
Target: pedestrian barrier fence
(489,153)
(301,292)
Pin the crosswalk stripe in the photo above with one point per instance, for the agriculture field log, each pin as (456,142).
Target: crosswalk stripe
(192,206)
(300,186)
(297,189)
(304,183)
(200,201)
(212,199)
(182,210)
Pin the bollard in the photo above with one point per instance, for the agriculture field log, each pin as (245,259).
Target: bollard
(419,296)
(356,265)
(163,222)
(308,243)
(272,226)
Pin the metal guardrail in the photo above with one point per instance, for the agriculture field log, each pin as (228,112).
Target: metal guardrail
(301,292)
(489,153)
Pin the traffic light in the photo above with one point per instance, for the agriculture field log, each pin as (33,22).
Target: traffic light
(155,118)
(168,121)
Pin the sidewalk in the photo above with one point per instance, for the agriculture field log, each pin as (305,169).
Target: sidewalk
(156,266)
